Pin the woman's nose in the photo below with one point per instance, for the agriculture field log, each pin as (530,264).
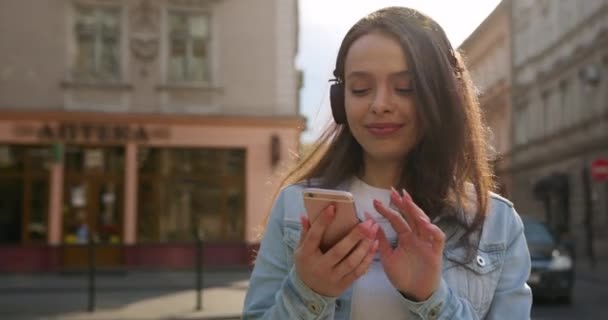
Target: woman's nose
(382,101)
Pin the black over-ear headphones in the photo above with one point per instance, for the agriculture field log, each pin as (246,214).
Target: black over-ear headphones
(336,99)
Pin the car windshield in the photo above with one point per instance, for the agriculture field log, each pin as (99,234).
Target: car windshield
(537,232)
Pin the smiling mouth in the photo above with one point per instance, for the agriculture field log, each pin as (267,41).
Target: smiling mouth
(384,129)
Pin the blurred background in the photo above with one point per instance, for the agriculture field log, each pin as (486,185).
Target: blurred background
(146,137)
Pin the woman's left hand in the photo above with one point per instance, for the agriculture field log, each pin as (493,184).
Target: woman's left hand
(414,266)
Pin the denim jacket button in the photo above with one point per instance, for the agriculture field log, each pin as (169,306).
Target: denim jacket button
(314,307)
(433,313)
(481,261)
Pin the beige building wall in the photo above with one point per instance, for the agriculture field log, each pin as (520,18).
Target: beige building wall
(253,48)
(32,51)
(488,56)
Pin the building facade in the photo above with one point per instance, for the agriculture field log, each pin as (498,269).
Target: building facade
(142,125)
(487,53)
(560,117)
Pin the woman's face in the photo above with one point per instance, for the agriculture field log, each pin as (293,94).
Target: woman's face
(379,99)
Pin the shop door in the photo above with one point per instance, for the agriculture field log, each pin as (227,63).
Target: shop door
(93,209)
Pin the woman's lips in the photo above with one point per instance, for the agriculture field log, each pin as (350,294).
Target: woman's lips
(383,129)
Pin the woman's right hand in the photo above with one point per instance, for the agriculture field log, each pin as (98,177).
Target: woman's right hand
(332,272)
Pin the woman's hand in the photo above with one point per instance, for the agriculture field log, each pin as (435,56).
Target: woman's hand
(414,266)
(332,272)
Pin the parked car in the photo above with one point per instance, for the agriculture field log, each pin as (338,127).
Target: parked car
(552,275)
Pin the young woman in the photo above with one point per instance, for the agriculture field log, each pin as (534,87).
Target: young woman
(444,246)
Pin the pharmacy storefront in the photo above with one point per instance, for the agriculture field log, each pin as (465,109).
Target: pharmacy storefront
(139,186)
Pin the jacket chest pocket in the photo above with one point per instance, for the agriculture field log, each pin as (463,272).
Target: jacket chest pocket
(474,280)
(291,238)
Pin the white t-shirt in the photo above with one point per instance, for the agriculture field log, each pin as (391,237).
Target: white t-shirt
(374,297)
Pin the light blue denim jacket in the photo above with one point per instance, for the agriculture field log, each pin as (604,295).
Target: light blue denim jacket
(490,286)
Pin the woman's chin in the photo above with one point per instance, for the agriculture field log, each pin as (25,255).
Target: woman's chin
(387,155)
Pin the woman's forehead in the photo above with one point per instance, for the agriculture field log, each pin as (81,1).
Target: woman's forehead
(376,52)
(365,75)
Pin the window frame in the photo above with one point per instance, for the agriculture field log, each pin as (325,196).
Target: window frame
(97,76)
(167,39)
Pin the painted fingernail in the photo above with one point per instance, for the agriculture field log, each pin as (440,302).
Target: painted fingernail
(375,230)
(395,195)
(406,194)
(331,210)
(395,199)
(375,246)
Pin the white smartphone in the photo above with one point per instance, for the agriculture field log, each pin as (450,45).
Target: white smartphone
(317,199)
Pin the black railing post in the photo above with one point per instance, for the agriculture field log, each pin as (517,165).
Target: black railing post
(199,269)
(92,271)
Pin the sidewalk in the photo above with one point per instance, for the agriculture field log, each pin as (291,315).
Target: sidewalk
(598,273)
(138,295)
(133,295)
(218,303)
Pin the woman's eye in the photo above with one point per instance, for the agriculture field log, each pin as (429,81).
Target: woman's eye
(405,91)
(359,92)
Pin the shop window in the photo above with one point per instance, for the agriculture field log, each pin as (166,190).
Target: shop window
(100,160)
(36,228)
(191,190)
(24,185)
(11,209)
(11,159)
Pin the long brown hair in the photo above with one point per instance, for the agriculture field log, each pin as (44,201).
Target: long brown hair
(451,154)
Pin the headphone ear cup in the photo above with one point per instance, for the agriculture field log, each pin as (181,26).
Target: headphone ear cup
(336,99)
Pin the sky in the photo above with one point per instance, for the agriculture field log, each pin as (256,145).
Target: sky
(323,24)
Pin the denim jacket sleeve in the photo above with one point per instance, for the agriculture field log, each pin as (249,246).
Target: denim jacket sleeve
(275,290)
(512,298)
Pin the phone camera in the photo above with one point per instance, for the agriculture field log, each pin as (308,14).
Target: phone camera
(311,195)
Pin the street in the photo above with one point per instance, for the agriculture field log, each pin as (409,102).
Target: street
(168,295)
(589,302)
